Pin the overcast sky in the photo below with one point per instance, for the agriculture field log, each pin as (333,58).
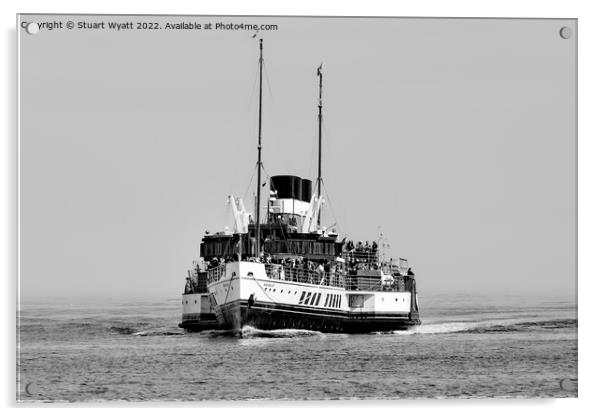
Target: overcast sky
(456,136)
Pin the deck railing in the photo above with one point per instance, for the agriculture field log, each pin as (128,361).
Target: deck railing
(332,278)
(214,274)
(362,256)
(301,275)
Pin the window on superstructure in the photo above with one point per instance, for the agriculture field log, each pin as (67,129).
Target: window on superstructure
(302,297)
(307,299)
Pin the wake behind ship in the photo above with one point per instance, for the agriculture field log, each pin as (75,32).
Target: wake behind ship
(288,271)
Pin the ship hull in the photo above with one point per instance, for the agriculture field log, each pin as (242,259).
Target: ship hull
(238,314)
(249,298)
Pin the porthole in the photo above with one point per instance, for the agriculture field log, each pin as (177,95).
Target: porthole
(195,301)
(186,302)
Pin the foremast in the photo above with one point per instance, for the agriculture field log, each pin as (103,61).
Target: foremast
(259,166)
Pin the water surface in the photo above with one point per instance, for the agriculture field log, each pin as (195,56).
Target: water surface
(132,350)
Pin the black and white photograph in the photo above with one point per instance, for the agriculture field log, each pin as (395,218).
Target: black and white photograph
(218,208)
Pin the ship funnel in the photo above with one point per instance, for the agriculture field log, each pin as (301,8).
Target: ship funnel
(291,195)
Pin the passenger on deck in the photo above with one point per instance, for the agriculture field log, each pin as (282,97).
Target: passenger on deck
(349,246)
(321,274)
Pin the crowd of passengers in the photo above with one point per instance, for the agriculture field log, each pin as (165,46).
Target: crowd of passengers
(361,247)
(309,271)
(292,262)
(355,261)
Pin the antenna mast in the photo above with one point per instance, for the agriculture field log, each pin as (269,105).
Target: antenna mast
(257,202)
(320,143)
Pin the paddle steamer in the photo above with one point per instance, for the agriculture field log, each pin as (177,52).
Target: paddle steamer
(288,271)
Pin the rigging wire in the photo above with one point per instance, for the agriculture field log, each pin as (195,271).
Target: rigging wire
(250,182)
(267,78)
(341,228)
(252,96)
(324,141)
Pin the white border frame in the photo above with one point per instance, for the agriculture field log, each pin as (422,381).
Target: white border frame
(589,198)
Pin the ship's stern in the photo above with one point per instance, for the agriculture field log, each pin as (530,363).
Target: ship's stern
(197,314)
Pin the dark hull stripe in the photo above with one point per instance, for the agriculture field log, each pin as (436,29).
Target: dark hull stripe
(235,315)
(318,311)
(301,309)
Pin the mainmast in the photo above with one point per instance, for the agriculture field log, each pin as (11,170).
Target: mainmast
(320,143)
(257,202)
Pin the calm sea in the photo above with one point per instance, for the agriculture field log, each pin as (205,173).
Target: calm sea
(468,346)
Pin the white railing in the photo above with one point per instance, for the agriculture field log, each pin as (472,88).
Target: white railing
(362,256)
(331,278)
(216,273)
(300,274)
